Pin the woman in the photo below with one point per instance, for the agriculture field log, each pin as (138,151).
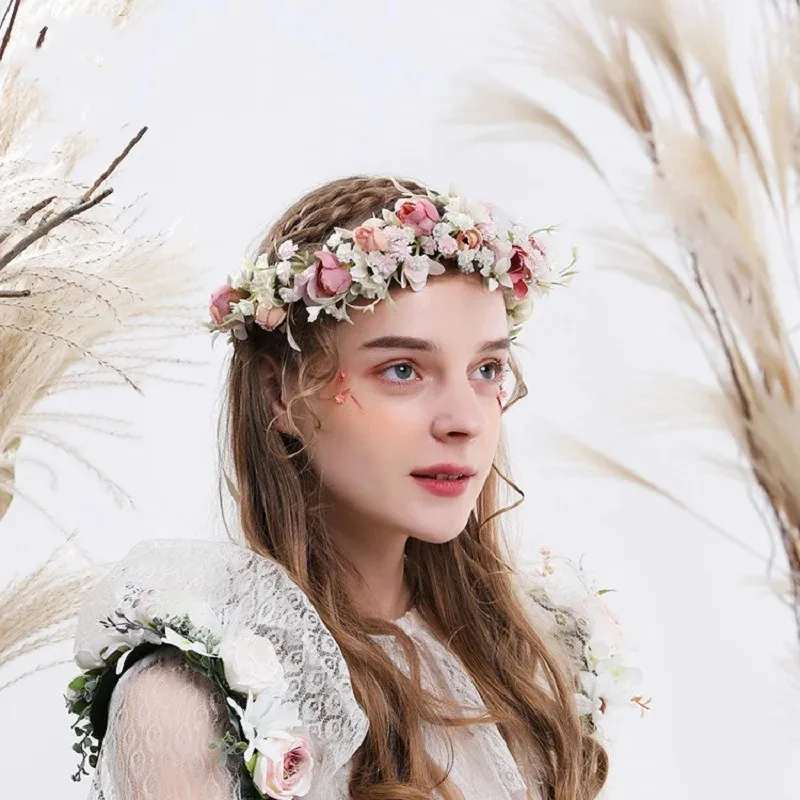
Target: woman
(375,586)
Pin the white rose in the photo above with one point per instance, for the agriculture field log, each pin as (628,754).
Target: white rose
(251,663)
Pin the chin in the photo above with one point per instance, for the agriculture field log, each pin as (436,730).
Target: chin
(437,532)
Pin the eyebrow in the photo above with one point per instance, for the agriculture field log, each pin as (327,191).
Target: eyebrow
(412,343)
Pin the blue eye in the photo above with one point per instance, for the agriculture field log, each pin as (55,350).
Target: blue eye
(403,365)
(498,367)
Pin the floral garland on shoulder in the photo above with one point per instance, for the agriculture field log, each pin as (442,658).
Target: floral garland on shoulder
(265,730)
(592,635)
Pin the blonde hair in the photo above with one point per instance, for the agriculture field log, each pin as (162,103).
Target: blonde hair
(464,589)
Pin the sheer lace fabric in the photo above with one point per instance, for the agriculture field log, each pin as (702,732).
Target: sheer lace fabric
(163,715)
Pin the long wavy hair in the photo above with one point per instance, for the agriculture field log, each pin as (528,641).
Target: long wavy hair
(464,589)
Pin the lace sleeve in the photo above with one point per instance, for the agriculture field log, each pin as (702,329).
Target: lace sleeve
(243,611)
(162,717)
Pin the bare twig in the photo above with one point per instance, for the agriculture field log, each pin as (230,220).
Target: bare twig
(40,38)
(114,164)
(15,293)
(10,28)
(45,227)
(26,215)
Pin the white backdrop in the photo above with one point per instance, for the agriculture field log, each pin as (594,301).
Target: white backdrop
(250,104)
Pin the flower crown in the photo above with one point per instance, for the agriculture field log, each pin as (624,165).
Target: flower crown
(406,244)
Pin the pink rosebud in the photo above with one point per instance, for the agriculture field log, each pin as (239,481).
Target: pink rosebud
(284,768)
(418,213)
(470,239)
(370,239)
(519,271)
(325,278)
(269,317)
(221,301)
(333,278)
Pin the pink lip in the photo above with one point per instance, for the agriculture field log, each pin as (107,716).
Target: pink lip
(445,488)
(445,468)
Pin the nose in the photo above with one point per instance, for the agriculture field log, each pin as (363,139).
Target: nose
(459,413)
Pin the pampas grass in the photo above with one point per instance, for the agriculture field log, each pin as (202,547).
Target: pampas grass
(84,304)
(718,134)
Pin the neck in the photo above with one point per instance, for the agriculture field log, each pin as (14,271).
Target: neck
(380,561)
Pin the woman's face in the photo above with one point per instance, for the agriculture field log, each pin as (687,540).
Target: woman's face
(425,395)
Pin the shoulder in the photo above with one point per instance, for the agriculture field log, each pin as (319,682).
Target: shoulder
(244,605)
(555,609)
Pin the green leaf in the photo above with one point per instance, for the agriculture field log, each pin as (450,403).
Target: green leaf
(79,706)
(605,591)
(76,684)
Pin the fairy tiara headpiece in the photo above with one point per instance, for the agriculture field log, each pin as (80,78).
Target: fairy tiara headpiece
(405,245)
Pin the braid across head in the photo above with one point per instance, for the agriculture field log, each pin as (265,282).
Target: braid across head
(340,203)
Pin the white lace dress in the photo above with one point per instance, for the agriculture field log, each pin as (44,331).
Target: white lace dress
(163,714)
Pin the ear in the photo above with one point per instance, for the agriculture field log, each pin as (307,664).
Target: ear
(278,387)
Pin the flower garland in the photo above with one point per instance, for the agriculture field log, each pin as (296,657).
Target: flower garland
(265,730)
(404,245)
(592,635)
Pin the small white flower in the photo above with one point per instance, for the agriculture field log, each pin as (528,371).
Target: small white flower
(266,717)
(486,259)
(287,250)
(264,282)
(465,259)
(251,664)
(240,281)
(441,229)
(446,245)
(244,307)
(344,252)
(428,245)
(460,221)
(289,294)
(334,240)
(383,264)
(283,271)
(416,270)
(472,211)
(187,645)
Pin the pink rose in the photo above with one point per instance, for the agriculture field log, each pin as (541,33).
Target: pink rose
(325,278)
(269,317)
(370,239)
(418,213)
(284,767)
(519,271)
(221,301)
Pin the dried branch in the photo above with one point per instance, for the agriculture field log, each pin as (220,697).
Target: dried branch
(26,215)
(46,226)
(114,164)
(14,6)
